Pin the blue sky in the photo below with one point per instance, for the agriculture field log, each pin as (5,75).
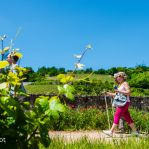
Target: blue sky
(52,31)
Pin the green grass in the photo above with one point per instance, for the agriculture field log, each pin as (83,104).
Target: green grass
(41,89)
(131,143)
(91,76)
(48,89)
(44,87)
(103,78)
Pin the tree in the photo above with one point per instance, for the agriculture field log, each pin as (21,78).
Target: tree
(52,71)
(61,71)
(100,71)
(140,80)
(42,71)
(141,68)
(30,76)
(88,70)
(112,71)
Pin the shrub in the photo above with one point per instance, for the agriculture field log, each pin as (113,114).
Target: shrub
(140,80)
(93,118)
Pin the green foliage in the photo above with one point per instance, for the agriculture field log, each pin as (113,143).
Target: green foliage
(84,143)
(27,125)
(45,82)
(51,71)
(140,80)
(95,119)
(3,64)
(139,92)
(91,87)
(95,76)
(141,68)
(141,119)
(23,125)
(80,119)
(41,89)
(67,89)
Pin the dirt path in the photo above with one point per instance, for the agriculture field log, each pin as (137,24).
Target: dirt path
(69,136)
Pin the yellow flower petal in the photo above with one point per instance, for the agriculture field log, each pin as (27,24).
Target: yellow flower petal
(3,64)
(18,54)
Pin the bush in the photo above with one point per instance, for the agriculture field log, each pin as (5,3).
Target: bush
(91,87)
(93,118)
(140,80)
(139,92)
(80,119)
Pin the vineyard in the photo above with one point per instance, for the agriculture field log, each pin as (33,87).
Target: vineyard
(95,85)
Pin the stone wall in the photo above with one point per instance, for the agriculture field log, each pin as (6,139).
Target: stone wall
(141,103)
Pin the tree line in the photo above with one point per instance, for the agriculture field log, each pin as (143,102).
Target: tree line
(43,72)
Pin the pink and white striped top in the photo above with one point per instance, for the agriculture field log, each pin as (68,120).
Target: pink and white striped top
(123,88)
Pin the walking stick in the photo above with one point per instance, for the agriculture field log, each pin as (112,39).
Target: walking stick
(112,106)
(107,111)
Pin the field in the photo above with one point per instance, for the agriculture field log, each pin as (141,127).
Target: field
(42,88)
(90,76)
(103,78)
(48,86)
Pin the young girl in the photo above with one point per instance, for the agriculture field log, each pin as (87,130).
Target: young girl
(124,89)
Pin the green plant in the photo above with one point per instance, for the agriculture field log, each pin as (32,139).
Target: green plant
(93,118)
(140,80)
(23,125)
(84,143)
